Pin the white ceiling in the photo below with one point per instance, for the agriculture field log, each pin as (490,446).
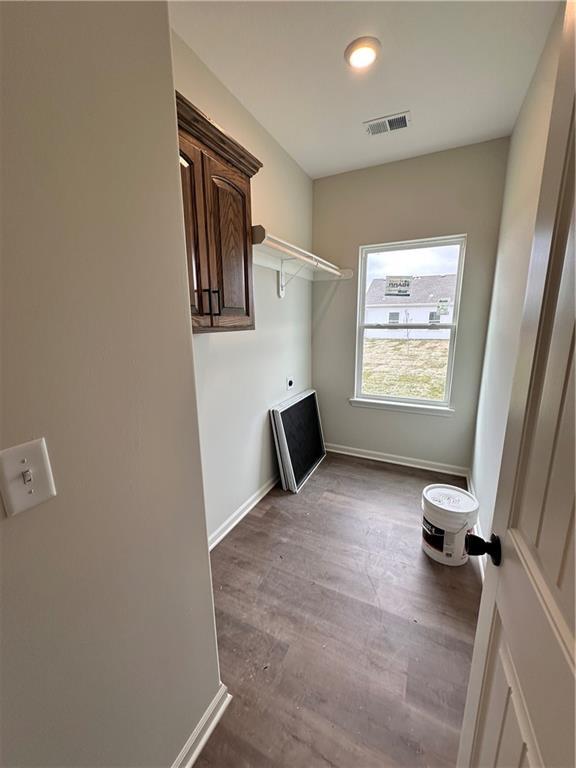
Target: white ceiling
(462,68)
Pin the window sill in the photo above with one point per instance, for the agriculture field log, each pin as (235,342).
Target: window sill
(389,405)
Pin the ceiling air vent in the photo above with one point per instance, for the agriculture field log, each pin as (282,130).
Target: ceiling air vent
(387,123)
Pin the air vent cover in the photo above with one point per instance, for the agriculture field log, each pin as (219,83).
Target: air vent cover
(387,123)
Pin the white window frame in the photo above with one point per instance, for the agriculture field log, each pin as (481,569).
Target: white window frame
(389,401)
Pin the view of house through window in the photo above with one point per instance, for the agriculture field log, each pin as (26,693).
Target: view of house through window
(408,316)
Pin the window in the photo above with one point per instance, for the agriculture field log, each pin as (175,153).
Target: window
(408,301)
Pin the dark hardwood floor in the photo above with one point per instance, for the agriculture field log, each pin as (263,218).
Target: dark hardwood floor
(342,643)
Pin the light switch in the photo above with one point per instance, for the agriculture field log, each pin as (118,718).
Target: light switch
(25,476)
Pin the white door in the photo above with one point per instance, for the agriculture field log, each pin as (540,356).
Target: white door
(520,705)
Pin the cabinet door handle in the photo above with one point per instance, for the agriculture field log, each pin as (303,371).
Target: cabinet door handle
(217,292)
(207,290)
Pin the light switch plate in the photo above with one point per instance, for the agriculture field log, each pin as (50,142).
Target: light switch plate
(25,476)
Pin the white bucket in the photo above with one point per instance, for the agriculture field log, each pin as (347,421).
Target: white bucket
(449,514)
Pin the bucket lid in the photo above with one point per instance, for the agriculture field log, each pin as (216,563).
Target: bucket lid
(449,498)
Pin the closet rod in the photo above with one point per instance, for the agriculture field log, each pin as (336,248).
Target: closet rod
(289,251)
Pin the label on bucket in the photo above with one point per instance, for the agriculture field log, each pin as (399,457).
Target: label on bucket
(432,535)
(439,539)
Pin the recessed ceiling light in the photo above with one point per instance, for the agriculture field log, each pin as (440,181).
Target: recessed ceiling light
(362,52)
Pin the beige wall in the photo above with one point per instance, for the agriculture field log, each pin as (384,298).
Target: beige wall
(446,193)
(523,178)
(240,375)
(108,642)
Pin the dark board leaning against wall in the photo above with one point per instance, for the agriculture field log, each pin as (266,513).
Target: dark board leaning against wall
(298,437)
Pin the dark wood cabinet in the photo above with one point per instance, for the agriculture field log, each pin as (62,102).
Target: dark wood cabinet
(195,230)
(229,244)
(215,172)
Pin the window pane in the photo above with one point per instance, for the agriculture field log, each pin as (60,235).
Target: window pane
(406,363)
(413,282)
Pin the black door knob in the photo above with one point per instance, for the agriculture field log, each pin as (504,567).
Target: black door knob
(474,545)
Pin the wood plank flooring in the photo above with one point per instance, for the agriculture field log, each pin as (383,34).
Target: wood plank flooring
(342,643)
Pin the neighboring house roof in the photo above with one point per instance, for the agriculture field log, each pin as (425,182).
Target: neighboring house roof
(425,290)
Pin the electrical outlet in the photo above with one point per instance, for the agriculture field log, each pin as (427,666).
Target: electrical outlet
(289,382)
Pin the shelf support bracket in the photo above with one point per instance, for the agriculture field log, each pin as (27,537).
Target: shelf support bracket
(283,280)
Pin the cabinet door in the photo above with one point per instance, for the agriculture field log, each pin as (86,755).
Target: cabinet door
(195,227)
(229,245)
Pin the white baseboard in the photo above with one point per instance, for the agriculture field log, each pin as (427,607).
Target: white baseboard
(200,735)
(405,461)
(243,509)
